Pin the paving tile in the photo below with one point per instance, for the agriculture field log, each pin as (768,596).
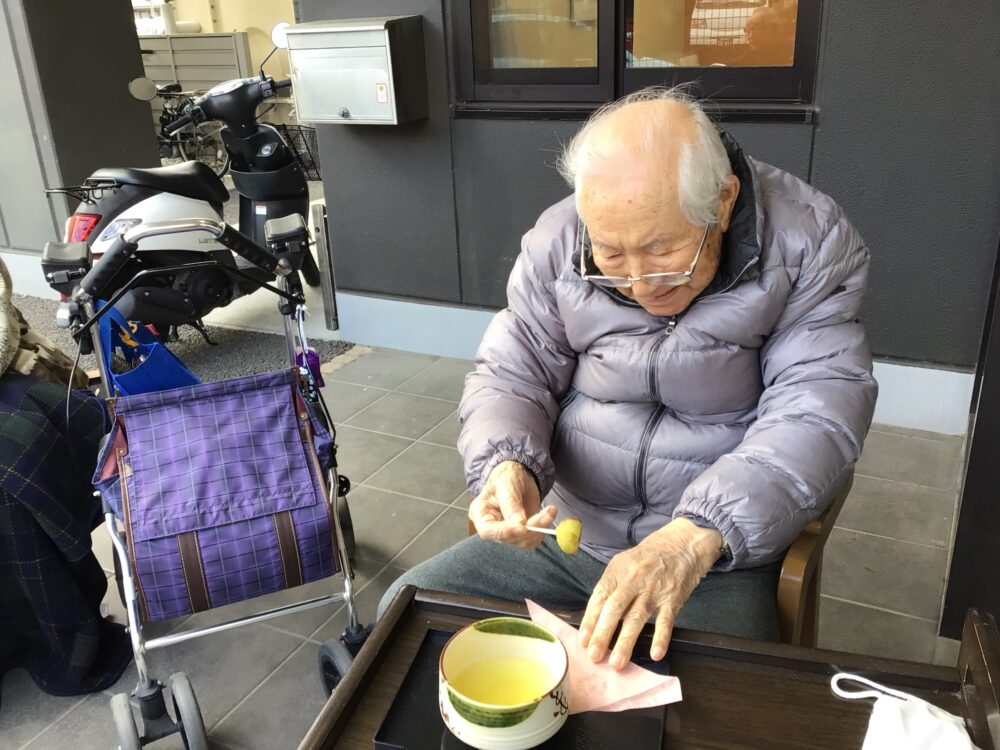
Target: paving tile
(901,511)
(904,458)
(87,727)
(403,415)
(463,501)
(383,368)
(450,528)
(946,651)
(898,576)
(443,379)
(27,710)
(907,432)
(344,400)
(384,522)
(845,626)
(367,601)
(423,470)
(293,693)
(361,453)
(223,667)
(445,433)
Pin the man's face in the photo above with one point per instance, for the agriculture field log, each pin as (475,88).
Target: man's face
(636,227)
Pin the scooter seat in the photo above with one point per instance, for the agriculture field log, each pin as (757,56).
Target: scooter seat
(191,179)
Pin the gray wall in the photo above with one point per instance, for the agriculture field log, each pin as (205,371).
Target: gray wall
(908,141)
(906,138)
(27,220)
(66,108)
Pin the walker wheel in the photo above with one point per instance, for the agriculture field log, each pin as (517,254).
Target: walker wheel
(334,661)
(121,713)
(187,712)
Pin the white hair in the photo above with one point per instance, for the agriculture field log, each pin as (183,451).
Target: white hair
(703,164)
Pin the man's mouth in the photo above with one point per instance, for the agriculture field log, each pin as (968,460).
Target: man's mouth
(661,297)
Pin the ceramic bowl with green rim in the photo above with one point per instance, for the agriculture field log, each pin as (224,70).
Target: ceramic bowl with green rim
(503,684)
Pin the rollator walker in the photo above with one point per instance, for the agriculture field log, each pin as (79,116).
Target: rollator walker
(216,492)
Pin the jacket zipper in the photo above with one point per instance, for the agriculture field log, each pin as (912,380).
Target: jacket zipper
(639,477)
(654,388)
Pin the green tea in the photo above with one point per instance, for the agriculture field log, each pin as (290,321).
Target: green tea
(503,681)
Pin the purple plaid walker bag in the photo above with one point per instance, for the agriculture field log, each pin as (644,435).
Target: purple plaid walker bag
(221,489)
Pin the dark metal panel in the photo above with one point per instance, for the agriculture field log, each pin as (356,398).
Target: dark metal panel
(975,563)
(389,189)
(783,145)
(86,54)
(505,177)
(907,142)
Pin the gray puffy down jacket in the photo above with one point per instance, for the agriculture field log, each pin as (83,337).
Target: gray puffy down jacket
(745,413)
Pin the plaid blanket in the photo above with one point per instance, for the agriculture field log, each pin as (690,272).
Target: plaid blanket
(51,585)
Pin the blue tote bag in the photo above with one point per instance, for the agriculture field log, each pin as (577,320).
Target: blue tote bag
(153,367)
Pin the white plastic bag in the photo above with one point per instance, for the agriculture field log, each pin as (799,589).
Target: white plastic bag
(900,720)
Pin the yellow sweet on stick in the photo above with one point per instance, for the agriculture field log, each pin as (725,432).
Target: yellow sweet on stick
(567,534)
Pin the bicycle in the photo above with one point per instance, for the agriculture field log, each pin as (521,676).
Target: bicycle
(201,142)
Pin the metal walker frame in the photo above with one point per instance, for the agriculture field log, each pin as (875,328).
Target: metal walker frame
(148,691)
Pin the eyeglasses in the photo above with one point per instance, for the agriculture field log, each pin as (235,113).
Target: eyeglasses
(669,278)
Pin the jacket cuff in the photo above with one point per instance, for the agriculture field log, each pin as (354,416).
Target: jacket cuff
(707,514)
(528,463)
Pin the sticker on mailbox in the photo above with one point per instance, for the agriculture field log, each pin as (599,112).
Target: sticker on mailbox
(382,92)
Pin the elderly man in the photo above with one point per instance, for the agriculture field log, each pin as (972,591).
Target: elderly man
(681,366)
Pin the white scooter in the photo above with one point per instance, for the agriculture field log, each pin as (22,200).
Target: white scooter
(113,201)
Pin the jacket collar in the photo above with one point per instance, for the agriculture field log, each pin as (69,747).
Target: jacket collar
(742,242)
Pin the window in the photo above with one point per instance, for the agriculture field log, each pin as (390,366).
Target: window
(535,50)
(590,51)
(707,33)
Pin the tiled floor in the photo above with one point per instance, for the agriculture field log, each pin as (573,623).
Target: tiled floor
(258,687)
(886,562)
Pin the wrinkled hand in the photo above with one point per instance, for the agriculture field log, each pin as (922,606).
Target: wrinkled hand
(655,577)
(510,500)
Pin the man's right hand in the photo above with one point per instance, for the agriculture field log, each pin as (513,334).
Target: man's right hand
(508,502)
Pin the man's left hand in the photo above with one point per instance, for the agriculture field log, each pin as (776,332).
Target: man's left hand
(655,577)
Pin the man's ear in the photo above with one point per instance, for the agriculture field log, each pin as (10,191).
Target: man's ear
(727,199)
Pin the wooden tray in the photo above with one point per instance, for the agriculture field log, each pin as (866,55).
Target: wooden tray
(738,694)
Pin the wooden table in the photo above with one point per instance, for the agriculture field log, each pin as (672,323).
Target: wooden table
(738,694)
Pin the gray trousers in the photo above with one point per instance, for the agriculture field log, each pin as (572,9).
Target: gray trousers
(739,602)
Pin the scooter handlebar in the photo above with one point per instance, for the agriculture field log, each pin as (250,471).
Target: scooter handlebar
(179,124)
(245,247)
(285,84)
(105,270)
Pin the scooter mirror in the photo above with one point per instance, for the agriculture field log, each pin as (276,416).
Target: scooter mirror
(279,34)
(142,89)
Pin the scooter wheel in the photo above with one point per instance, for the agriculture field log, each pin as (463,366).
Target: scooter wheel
(310,270)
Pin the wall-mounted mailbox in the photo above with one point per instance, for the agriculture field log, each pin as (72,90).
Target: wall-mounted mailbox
(361,71)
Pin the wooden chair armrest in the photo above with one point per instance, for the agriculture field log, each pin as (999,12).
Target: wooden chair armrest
(797,572)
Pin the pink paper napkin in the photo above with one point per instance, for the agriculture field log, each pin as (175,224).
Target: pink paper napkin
(600,687)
